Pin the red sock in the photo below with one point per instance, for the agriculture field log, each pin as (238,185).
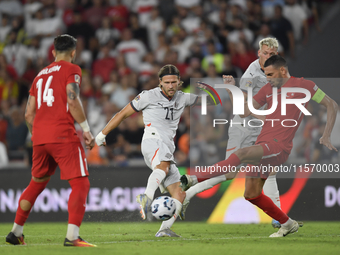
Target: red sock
(267,205)
(30,194)
(77,201)
(220,168)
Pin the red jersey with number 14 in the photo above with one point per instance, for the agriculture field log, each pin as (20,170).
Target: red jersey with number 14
(275,127)
(53,122)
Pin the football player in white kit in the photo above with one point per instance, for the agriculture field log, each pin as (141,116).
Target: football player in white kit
(162,108)
(240,136)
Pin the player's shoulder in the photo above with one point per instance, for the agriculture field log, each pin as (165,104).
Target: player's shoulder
(253,70)
(302,82)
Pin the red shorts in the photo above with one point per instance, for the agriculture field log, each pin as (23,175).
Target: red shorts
(70,157)
(273,155)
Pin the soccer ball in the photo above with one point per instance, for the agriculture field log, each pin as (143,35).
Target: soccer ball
(163,208)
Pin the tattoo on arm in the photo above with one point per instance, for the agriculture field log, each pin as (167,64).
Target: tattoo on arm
(72,91)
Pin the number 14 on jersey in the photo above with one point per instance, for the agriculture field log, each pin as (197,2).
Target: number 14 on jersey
(48,93)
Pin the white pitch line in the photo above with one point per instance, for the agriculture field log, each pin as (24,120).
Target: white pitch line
(164,240)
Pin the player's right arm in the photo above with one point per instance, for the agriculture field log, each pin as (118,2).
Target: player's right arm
(77,112)
(30,112)
(113,123)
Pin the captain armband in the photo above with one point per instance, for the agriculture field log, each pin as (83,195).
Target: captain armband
(318,96)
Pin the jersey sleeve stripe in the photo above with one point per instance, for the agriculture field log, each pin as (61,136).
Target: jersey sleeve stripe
(133,107)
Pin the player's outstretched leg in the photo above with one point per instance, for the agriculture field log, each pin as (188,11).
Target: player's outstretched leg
(76,210)
(26,201)
(155,178)
(178,196)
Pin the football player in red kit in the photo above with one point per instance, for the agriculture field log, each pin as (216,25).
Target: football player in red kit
(274,143)
(52,107)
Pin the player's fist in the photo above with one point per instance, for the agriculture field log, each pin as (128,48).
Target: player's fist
(100,139)
(228,79)
(89,140)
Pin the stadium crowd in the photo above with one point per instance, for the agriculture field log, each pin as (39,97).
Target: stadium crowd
(121,46)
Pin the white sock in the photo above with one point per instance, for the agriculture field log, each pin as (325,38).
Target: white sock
(17,230)
(168,223)
(202,186)
(155,178)
(271,190)
(288,223)
(72,232)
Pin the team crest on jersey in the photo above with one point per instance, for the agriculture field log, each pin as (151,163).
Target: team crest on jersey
(137,98)
(248,84)
(77,78)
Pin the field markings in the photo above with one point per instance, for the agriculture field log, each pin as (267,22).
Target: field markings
(162,240)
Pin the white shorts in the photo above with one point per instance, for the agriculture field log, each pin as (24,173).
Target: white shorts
(155,151)
(239,139)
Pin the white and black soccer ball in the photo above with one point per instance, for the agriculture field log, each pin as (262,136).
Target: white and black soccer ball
(163,208)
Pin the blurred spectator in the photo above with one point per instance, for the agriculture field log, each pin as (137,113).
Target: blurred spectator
(132,49)
(80,28)
(187,3)
(146,67)
(5,27)
(16,53)
(119,15)
(298,18)
(264,33)
(268,7)
(229,69)
(155,26)
(71,6)
(243,56)
(83,56)
(162,48)
(240,33)
(143,8)
(213,57)
(17,130)
(104,65)
(8,88)
(124,93)
(138,32)
(11,7)
(282,30)
(311,9)
(94,14)
(105,33)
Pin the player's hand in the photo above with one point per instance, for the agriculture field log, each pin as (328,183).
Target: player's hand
(201,85)
(326,141)
(89,140)
(100,139)
(228,79)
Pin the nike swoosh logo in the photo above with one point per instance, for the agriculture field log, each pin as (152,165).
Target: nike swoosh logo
(272,94)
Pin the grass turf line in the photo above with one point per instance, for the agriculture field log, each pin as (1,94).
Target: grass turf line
(197,238)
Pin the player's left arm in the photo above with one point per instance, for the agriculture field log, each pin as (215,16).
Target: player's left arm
(332,108)
(30,112)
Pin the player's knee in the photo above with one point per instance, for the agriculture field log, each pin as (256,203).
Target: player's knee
(165,166)
(81,183)
(249,194)
(25,205)
(42,179)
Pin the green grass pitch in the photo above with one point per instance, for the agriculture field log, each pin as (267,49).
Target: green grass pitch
(197,238)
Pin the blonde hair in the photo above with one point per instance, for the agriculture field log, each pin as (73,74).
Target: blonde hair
(270,42)
(169,70)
